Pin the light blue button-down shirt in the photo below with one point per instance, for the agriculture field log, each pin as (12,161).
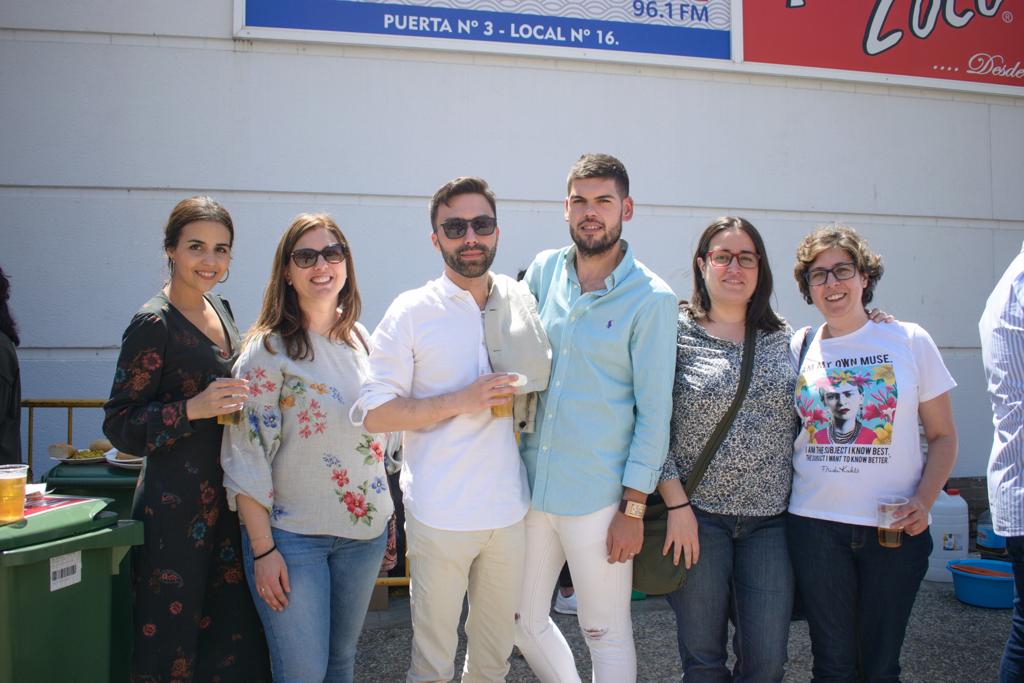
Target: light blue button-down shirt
(1002,351)
(603,422)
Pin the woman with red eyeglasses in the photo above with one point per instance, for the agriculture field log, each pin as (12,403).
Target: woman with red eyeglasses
(731,532)
(194,618)
(310,487)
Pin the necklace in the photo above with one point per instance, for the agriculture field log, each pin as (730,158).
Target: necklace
(835,436)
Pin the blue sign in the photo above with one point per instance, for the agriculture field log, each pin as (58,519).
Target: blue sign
(696,28)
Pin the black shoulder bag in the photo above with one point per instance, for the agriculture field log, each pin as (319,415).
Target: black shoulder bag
(654,573)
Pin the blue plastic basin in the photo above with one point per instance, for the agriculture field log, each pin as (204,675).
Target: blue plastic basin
(983,591)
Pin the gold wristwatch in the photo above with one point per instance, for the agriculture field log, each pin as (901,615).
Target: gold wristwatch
(631,508)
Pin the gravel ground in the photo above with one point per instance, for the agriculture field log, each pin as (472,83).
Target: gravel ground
(947,642)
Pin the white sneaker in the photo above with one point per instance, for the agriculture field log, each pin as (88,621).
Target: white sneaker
(565,605)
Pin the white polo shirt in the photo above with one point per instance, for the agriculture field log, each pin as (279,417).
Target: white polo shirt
(463,473)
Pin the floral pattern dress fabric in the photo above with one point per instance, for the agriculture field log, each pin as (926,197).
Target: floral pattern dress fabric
(297,452)
(194,617)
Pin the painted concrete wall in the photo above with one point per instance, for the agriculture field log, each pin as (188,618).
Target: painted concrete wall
(114,110)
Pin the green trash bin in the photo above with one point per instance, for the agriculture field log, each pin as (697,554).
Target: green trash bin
(100,481)
(106,481)
(56,572)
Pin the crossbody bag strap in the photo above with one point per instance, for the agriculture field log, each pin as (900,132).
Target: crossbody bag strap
(805,344)
(718,435)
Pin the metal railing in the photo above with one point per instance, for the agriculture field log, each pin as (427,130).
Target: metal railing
(70,404)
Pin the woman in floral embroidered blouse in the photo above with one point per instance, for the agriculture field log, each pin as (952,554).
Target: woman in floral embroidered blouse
(194,617)
(310,487)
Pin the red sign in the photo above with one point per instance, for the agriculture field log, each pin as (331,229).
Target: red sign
(979,41)
(49,503)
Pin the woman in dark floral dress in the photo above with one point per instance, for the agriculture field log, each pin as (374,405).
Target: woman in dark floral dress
(194,617)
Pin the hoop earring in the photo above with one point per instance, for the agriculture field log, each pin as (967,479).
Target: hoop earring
(227,274)
(170,265)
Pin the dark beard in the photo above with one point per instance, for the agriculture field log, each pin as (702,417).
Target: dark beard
(597,247)
(475,269)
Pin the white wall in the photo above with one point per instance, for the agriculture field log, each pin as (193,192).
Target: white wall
(114,110)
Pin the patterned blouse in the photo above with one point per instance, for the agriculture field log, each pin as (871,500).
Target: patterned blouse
(752,471)
(296,451)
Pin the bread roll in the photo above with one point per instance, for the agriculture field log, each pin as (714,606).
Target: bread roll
(125,456)
(60,451)
(101,445)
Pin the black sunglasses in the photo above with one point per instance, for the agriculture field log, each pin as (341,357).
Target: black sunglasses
(332,253)
(455,228)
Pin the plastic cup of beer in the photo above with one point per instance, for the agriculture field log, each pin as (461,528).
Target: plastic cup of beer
(505,409)
(12,493)
(230,418)
(889,537)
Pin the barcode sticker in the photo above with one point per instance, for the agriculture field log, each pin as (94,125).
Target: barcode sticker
(65,570)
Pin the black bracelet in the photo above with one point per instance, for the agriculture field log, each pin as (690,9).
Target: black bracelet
(260,557)
(676,507)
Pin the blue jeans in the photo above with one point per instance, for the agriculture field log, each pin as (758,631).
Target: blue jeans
(1011,668)
(743,574)
(857,596)
(314,638)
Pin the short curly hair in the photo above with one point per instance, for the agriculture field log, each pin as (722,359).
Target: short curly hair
(842,237)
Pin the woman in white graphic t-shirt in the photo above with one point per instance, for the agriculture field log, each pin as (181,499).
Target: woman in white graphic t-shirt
(860,390)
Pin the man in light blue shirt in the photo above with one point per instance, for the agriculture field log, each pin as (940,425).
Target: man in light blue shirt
(1002,352)
(602,425)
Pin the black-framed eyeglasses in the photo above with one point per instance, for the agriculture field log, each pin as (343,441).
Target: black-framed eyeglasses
(455,228)
(816,277)
(721,258)
(332,253)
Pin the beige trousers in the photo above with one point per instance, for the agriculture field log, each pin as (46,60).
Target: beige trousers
(445,565)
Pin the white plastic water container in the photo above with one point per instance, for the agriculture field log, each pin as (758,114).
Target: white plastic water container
(950,530)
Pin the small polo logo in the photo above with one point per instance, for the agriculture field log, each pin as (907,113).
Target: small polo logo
(609,325)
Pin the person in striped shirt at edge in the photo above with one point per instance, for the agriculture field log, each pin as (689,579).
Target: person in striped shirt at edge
(1002,352)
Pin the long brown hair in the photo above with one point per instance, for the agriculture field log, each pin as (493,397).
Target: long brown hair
(280,312)
(759,310)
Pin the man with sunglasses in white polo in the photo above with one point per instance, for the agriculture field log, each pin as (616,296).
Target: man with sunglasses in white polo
(463,482)
(602,426)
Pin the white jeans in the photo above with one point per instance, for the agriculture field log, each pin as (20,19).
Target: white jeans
(444,565)
(603,592)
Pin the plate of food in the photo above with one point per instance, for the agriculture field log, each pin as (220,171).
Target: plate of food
(68,454)
(125,461)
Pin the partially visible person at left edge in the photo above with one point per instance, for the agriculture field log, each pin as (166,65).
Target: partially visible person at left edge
(10,381)
(194,617)
(1002,352)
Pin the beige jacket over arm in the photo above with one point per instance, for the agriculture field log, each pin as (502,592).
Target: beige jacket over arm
(516,342)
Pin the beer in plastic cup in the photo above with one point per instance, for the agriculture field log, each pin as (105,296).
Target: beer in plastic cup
(887,506)
(505,409)
(12,493)
(230,418)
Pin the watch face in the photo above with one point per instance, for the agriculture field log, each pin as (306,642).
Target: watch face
(634,509)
